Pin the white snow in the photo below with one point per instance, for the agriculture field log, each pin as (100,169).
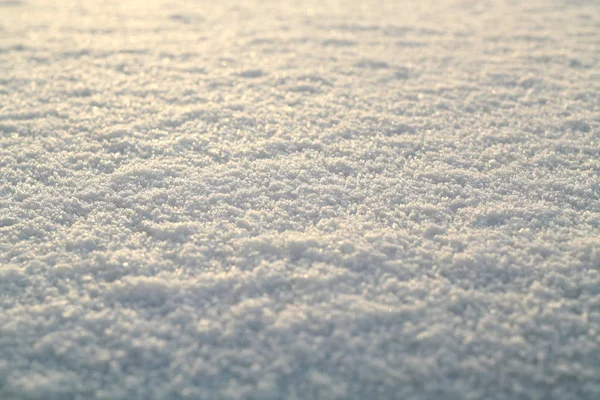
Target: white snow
(299,199)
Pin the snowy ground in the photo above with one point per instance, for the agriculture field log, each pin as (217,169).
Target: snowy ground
(299,199)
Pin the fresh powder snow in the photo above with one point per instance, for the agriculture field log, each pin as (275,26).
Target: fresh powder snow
(283,199)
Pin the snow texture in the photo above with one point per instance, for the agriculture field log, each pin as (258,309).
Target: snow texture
(318,199)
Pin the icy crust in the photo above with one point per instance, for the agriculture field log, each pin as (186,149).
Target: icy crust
(268,200)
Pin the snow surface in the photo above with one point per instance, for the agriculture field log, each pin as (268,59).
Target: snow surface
(299,199)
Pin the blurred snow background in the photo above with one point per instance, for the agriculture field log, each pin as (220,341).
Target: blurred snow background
(299,199)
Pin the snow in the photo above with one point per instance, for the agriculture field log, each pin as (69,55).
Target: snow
(295,200)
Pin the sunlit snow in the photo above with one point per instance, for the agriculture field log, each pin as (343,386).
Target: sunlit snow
(289,199)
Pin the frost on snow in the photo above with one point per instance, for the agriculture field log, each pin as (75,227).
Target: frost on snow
(298,200)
